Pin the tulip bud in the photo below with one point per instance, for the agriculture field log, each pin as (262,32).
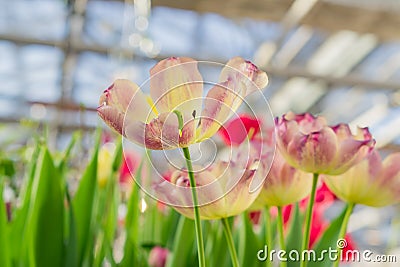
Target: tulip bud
(158,256)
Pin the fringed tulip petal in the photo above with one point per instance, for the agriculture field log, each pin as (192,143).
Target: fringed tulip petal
(237,67)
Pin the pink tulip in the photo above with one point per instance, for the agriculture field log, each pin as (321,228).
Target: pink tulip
(177,85)
(309,144)
(371,182)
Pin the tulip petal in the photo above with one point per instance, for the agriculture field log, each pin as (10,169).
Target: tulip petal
(238,79)
(119,94)
(174,82)
(392,169)
(220,103)
(126,97)
(122,98)
(352,152)
(307,123)
(112,117)
(284,185)
(237,68)
(314,152)
(342,131)
(161,133)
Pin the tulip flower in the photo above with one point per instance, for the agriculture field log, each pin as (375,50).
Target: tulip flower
(158,256)
(104,166)
(372,182)
(224,188)
(130,163)
(177,85)
(237,130)
(284,185)
(309,144)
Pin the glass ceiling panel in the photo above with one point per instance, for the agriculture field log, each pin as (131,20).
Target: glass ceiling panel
(44,19)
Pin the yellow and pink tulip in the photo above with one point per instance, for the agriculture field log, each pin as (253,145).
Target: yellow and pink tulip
(372,182)
(177,85)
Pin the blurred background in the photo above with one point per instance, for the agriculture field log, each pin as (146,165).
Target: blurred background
(338,58)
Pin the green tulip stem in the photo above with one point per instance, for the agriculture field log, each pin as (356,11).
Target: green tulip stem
(197,222)
(281,234)
(343,229)
(268,233)
(229,240)
(307,230)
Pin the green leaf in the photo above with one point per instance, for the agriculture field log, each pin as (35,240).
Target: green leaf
(170,227)
(4,246)
(71,239)
(118,154)
(18,229)
(248,245)
(82,205)
(46,215)
(217,253)
(184,243)
(63,162)
(328,240)
(110,216)
(7,167)
(131,246)
(295,235)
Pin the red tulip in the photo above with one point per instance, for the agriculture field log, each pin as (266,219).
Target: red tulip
(236,131)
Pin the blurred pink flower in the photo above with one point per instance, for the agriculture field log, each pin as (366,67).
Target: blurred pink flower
(371,182)
(177,85)
(129,165)
(309,144)
(158,256)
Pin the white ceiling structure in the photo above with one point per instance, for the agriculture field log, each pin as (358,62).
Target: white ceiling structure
(332,57)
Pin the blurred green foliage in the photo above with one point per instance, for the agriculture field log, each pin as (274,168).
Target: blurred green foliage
(63,215)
